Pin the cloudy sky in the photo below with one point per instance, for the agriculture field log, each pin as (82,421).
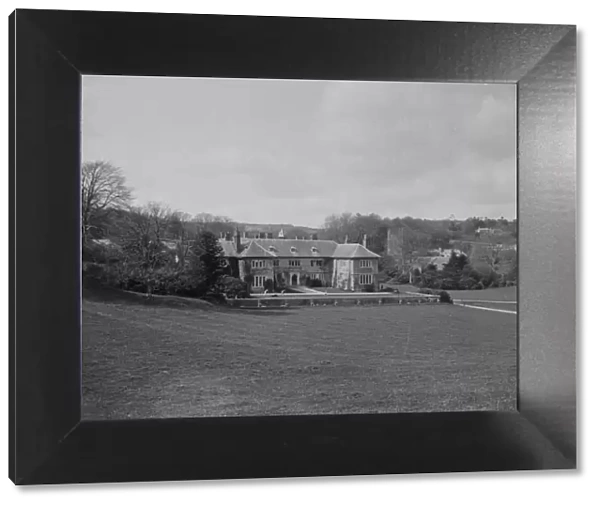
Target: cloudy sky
(297,151)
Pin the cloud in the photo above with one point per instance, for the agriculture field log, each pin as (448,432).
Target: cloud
(298,151)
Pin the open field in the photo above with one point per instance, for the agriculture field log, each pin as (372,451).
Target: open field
(507,293)
(177,360)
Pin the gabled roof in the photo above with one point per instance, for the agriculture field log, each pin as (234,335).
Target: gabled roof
(255,250)
(353,251)
(229,249)
(298,248)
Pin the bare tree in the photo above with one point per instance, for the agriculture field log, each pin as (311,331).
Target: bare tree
(103,189)
(210,218)
(145,240)
(179,230)
(339,226)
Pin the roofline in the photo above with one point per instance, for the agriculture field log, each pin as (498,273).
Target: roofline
(317,257)
(358,257)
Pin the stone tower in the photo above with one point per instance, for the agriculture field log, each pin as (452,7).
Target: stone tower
(395,244)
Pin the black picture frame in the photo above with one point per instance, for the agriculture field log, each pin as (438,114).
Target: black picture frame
(50,50)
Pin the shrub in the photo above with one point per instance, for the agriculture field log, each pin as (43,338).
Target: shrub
(217,298)
(467,283)
(450,284)
(98,252)
(403,279)
(445,297)
(249,280)
(94,274)
(233,287)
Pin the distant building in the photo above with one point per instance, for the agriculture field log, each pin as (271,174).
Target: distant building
(291,262)
(488,231)
(422,263)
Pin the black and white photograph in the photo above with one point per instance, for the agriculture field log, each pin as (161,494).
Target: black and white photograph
(282,247)
(275,246)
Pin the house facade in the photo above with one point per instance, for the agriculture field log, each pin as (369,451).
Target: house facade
(292,262)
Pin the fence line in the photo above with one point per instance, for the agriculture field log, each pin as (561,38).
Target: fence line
(328,295)
(468,300)
(487,309)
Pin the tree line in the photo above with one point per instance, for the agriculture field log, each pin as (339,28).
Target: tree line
(459,274)
(156,250)
(421,238)
(420,235)
(150,249)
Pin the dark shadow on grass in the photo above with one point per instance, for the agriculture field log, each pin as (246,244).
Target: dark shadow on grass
(256,311)
(113,295)
(121,297)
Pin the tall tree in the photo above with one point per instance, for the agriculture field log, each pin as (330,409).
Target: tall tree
(207,263)
(144,241)
(103,190)
(179,230)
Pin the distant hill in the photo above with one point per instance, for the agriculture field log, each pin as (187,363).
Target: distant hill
(275,228)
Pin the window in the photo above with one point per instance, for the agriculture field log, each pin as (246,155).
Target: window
(316,263)
(294,263)
(275,263)
(293,249)
(314,249)
(365,264)
(259,281)
(317,275)
(258,264)
(365,279)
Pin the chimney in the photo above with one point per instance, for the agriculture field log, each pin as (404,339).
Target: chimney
(346,239)
(365,240)
(388,246)
(228,236)
(238,241)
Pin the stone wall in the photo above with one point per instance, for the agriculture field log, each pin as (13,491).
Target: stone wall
(343,274)
(286,271)
(358,270)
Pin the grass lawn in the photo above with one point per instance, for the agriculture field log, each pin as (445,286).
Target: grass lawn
(329,289)
(149,361)
(492,305)
(505,293)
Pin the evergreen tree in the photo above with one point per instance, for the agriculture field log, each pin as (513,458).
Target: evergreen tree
(207,263)
(455,268)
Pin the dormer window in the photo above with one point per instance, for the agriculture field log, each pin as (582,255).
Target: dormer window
(293,249)
(272,248)
(314,249)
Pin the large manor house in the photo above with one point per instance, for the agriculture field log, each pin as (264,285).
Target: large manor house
(291,262)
